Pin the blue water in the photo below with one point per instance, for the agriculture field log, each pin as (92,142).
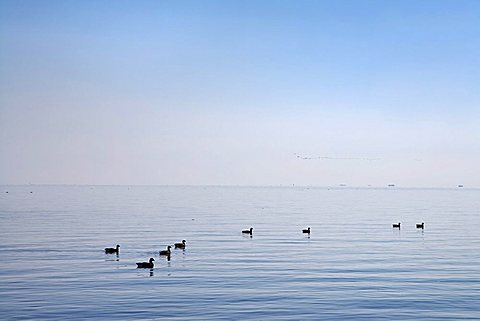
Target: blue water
(354,266)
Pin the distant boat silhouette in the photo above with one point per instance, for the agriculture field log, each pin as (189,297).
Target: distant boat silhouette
(396,225)
(146,265)
(180,245)
(112,250)
(421,225)
(391,185)
(306,230)
(250,231)
(167,251)
(460,185)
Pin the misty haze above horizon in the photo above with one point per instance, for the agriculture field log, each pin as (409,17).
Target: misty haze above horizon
(240,93)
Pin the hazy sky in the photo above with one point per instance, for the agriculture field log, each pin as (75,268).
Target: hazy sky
(231,92)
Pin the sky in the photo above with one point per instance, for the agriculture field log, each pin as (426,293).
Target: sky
(240,92)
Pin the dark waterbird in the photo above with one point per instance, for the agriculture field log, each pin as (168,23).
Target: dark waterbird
(306,230)
(112,250)
(250,231)
(421,225)
(396,225)
(166,252)
(146,265)
(180,245)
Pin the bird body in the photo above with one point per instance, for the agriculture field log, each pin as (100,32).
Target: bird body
(166,252)
(146,265)
(180,245)
(112,250)
(396,225)
(306,230)
(421,225)
(250,231)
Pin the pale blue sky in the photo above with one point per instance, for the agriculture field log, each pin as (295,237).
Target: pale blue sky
(225,92)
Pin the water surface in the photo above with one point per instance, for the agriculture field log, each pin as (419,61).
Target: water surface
(353,266)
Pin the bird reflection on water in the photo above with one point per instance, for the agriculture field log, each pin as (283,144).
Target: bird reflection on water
(112,260)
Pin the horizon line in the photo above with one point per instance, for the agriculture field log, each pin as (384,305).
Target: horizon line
(337,186)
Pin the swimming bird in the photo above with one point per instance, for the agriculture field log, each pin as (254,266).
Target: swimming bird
(166,252)
(421,225)
(396,225)
(146,265)
(250,231)
(180,245)
(306,230)
(112,250)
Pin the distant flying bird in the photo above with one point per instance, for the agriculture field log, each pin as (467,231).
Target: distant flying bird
(339,158)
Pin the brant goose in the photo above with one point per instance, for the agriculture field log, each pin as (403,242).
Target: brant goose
(250,231)
(180,245)
(396,225)
(146,265)
(166,252)
(422,225)
(112,250)
(306,230)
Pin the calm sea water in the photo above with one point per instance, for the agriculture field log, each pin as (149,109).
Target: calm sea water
(353,266)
